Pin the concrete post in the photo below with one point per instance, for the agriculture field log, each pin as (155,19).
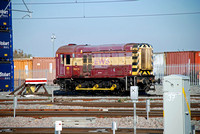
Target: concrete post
(14,105)
(148,108)
(52,97)
(134,122)
(114,127)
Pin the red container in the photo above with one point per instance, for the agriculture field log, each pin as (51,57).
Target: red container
(44,67)
(179,62)
(197,58)
(180,58)
(197,64)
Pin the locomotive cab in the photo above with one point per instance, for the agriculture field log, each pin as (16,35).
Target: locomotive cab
(63,68)
(63,65)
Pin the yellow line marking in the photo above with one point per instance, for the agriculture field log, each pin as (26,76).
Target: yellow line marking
(188,106)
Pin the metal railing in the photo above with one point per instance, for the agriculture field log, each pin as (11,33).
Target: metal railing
(190,70)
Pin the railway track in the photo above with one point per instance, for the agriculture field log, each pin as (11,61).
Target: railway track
(117,113)
(95,98)
(98,104)
(79,130)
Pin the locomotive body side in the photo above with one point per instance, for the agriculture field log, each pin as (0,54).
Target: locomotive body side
(106,67)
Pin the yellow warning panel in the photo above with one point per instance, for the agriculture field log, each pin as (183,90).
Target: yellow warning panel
(30,90)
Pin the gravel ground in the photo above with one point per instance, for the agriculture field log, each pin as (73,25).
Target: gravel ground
(99,122)
(128,122)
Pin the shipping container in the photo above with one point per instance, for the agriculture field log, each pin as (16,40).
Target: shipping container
(159,64)
(6,77)
(197,57)
(44,67)
(197,63)
(180,58)
(22,69)
(6,18)
(6,45)
(180,61)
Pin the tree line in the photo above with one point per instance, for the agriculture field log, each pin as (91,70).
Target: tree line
(18,53)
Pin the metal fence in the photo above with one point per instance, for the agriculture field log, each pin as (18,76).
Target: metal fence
(193,71)
(190,70)
(21,75)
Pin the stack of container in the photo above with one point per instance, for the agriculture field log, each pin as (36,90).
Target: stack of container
(6,47)
(181,62)
(197,62)
(45,67)
(23,70)
(34,67)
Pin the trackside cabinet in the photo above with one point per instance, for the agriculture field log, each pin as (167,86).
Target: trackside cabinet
(177,114)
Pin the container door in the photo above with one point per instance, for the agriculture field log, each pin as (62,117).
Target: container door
(62,66)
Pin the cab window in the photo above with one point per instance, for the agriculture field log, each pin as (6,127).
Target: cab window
(67,59)
(62,59)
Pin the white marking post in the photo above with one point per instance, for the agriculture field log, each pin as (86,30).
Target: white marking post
(114,127)
(14,105)
(134,98)
(58,127)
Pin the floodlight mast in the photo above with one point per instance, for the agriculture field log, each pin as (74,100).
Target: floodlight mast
(53,37)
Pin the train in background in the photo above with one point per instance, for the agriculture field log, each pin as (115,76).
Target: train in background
(113,67)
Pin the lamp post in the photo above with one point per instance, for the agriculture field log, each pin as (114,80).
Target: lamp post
(53,37)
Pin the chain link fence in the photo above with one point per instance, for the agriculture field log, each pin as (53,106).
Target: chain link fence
(21,75)
(190,70)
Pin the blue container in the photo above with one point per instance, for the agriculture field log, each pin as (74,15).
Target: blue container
(6,45)
(6,77)
(5,13)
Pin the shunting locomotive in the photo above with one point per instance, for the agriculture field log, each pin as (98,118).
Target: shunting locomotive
(110,67)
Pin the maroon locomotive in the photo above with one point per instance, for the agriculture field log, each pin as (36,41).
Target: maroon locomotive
(113,67)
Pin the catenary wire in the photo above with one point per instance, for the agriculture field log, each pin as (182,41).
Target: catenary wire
(75,2)
(117,16)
